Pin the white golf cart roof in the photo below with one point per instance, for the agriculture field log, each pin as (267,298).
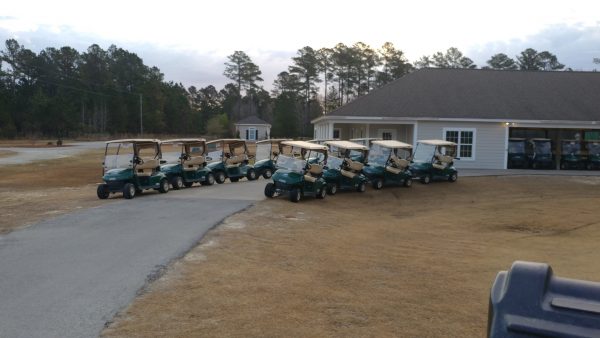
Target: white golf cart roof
(365,139)
(322,140)
(437,142)
(393,144)
(227,140)
(346,145)
(184,140)
(134,140)
(273,140)
(305,145)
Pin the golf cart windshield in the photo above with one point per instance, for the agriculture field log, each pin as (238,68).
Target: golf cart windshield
(571,148)
(424,152)
(263,151)
(594,148)
(542,148)
(291,163)
(379,154)
(118,155)
(215,151)
(334,161)
(171,152)
(516,147)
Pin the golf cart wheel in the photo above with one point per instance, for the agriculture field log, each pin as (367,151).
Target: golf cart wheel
(332,189)
(251,175)
(295,195)
(534,165)
(361,187)
(426,179)
(270,190)
(163,186)
(321,193)
(220,177)
(102,191)
(188,184)
(453,177)
(129,191)
(177,182)
(267,174)
(563,166)
(234,179)
(209,180)
(408,182)
(378,184)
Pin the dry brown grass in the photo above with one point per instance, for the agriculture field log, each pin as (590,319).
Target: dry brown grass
(32,192)
(402,262)
(6,153)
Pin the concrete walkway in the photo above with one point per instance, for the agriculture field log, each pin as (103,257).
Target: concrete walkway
(28,155)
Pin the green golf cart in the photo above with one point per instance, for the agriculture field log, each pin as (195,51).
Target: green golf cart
(434,160)
(366,141)
(593,154)
(570,155)
(296,174)
(517,157)
(342,171)
(388,164)
(132,166)
(186,162)
(539,153)
(266,156)
(230,159)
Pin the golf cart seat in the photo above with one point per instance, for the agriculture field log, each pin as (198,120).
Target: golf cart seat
(193,163)
(146,168)
(354,165)
(314,171)
(442,161)
(237,157)
(348,173)
(399,163)
(393,170)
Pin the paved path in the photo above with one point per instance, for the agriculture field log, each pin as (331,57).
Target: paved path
(68,276)
(28,155)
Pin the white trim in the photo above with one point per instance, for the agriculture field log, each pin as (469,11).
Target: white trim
(473,152)
(394,133)
(375,119)
(415,130)
(252,133)
(506,147)
(252,124)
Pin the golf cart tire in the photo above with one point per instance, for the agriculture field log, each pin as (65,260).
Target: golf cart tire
(209,180)
(408,182)
(361,187)
(332,189)
(128,191)
(188,184)
(102,191)
(321,193)
(453,177)
(220,177)
(251,175)
(177,182)
(426,179)
(163,186)
(270,190)
(378,184)
(234,179)
(267,174)
(295,195)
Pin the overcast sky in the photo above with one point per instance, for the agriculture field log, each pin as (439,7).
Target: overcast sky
(190,40)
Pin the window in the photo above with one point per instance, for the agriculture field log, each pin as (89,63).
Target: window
(465,138)
(336,133)
(251,134)
(387,134)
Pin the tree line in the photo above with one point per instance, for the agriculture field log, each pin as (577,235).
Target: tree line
(61,92)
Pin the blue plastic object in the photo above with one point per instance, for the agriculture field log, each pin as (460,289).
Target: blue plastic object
(529,301)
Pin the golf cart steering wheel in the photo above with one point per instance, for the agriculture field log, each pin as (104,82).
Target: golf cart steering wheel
(138,160)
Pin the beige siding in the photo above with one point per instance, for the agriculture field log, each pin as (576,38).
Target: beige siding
(263,131)
(489,141)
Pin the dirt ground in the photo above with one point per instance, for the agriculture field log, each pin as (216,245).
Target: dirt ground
(404,262)
(32,192)
(6,153)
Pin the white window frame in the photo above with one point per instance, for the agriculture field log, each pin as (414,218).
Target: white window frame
(391,131)
(473,145)
(252,133)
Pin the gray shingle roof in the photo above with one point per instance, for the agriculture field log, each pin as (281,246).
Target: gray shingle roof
(252,120)
(484,94)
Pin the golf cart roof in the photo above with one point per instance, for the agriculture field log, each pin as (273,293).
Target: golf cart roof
(569,141)
(540,139)
(392,144)
(184,140)
(322,140)
(517,139)
(437,142)
(347,145)
(134,140)
(365,139)
(273,140)
(591,141)
(227,140)
(305,145)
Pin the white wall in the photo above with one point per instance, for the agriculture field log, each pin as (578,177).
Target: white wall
(262,131)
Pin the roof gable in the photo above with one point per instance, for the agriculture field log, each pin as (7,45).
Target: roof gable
(252,120)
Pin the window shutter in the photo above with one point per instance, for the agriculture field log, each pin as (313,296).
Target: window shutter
(247,134)
(256,134)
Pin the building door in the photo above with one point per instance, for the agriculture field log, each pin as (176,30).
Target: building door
(386,134)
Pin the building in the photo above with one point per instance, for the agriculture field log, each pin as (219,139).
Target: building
(253,128)
(478,109)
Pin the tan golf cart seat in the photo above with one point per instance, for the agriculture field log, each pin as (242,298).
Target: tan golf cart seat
(354,165)
(397,165)
(237,157)
(314,171)
(146,168)
(442,161)
(193,163)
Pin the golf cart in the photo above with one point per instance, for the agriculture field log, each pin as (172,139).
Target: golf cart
(517,157)
(296,175)
(367,142)
(132,166)
(186,162)
(570,155)
(434,159)
(322,141)
(539,153)
(230,159)
(343,172)
(266,156)
(389,164)
(593,151)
